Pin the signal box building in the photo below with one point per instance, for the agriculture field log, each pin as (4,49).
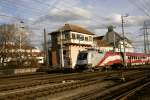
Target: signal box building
(74,39)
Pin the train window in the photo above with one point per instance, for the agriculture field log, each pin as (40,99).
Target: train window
(82,56)
(100,51)
(129,57)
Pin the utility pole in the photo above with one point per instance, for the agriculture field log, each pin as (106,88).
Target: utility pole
(114,42)
(145,44)
(20,43)
(124,50)
(61,49)
(45,47)
(146,39)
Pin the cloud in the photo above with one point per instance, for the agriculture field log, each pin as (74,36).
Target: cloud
(95,15)
(64,15)
(137,20)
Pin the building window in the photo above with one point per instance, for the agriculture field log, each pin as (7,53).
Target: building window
(64,52)
(90,38)
(82,38)
(73,36)
(78,36)
(67,35)
(86,38)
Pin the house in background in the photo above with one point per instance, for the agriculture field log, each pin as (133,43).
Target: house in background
(113,41)
(101,44)
(12,56)
(74,39)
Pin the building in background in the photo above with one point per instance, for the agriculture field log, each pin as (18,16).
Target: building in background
(30,56)
(15,48)
(113,41)
(74,39)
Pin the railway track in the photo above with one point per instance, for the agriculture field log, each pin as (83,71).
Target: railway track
(131,92)
(49,80)
(26,78)
(32,91)
(3,76)
(118,91)
(12,78)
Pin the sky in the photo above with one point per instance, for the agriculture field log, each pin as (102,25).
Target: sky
(94,15)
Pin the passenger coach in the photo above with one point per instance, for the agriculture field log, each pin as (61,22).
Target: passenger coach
(94,59)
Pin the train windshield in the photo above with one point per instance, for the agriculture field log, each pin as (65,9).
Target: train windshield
(82,56)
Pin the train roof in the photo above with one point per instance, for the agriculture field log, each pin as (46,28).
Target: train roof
(130,53)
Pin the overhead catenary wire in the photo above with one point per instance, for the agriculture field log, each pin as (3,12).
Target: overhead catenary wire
(143,9)
(144,5)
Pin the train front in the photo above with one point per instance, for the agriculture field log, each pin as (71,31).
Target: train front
(82,60)
(90,59)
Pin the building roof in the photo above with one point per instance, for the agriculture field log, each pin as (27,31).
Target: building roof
(110,37)
(98,37)
(74,28)
(111,34)
(101,42)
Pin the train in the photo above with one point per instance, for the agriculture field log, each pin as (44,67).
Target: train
(96,59)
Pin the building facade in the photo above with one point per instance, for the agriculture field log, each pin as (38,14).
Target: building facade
(74,39)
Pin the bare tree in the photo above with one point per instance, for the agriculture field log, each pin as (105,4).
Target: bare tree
(6,42)
(15,49)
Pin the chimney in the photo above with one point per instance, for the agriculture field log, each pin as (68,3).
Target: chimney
(110,28)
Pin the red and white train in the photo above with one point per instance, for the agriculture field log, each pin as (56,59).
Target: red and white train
(91,59)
